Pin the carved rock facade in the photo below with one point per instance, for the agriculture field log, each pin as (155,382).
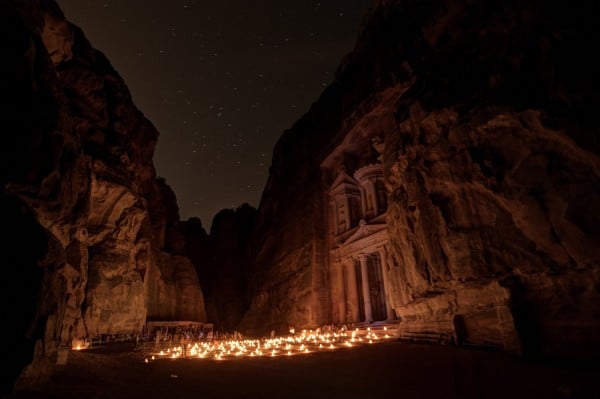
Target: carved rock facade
(491,173)
(358,237)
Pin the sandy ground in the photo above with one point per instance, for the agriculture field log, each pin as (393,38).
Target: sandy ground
(386,370)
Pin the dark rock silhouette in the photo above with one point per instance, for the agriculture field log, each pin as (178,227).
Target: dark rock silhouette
(78,180)
(222,261)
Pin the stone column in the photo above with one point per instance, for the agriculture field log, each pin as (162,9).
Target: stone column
(363,203)
(373,191)
(347,213)
(391,314)
(365,289)
(352,291)
(341,293)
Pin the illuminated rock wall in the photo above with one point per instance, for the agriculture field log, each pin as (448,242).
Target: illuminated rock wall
(174,290)
(491,170)
(287,282)
(131,214)
(77,168)
(492,173)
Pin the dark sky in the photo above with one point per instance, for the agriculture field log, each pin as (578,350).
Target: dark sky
(220,80)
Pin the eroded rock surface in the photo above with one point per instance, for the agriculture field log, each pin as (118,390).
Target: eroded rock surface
(224,268)
(77,169)
(490,163)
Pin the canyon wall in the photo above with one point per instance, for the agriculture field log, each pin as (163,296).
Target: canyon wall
(89,221)
(490,164)
(222,261)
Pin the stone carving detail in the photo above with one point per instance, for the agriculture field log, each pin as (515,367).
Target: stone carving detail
(357,272)
(345,200)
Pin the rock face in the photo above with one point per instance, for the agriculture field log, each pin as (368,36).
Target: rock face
(225,274)
(475,120)
(173,289)
(222,261)
(77,178)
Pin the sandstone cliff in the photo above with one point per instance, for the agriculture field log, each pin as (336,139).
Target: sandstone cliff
(491,173)
(77,177)
(224,273)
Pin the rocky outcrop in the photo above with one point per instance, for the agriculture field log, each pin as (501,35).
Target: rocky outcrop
(173,288)
(44,189)
(491,170)
(222,261)
(499,218)
(77,176)
(492,177)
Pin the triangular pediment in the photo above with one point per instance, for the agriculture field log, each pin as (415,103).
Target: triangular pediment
(365,230)
(343,179)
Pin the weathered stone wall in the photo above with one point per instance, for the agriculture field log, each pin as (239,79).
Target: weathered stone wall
(498,198)
(173,290)
(286,283)
(44,190)
(492,173)
(491,167)
(223,265)
(77,168)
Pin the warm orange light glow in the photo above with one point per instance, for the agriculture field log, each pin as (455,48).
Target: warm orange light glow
(79,344)
(306,342)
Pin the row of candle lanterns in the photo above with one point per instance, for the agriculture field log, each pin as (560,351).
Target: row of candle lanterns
(308,341)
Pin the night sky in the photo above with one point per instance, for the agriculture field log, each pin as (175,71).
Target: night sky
(220,81)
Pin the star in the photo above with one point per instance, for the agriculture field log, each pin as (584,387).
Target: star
(220,82)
